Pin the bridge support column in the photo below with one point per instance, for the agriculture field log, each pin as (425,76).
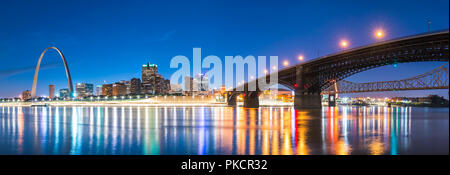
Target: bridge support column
(307,101)
(231,99)
(251,100)
(332,100)
(304,100)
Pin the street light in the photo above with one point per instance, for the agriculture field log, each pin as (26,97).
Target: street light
(286,63)
(301,58)
(344,44)
(379,34)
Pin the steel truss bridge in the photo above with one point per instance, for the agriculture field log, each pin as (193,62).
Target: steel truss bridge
(435,79)
(311,78)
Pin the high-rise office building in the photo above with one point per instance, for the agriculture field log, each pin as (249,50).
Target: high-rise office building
(135,86)
(149,72)
(51,91)
(146,88)
(128,86)
(119,89)
(152,82)
(89,89)
(107,90)
(84,90)
(166,86)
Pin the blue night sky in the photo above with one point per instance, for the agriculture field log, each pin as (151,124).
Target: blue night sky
(108,41)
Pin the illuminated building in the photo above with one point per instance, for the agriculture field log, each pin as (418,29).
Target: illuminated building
(201,82)
(149,72)
(188,85)
(26,95)
(98,90)
(147,89)
(51,91)
(135,86)
(119,89)
(107,90)
(223,88)
(152,82)
(175,89)
(84,89)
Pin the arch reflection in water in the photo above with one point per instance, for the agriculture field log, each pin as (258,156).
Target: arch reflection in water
(222,130)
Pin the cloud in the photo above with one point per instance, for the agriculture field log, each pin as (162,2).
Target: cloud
(165,37)
(9,73)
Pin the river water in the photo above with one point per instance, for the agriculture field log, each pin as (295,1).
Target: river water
(223,130)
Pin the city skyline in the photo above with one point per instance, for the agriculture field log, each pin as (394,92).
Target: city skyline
(232,78)
(157,45)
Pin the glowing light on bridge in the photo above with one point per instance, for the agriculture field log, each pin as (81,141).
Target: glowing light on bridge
(265,71)
(379,33)
(286,63)
(274,67)
(344,44)
(301,58)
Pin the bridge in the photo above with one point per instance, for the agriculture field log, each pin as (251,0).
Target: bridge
(434,79)
(308,80)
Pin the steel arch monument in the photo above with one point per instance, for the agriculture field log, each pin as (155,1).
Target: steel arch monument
(69,79)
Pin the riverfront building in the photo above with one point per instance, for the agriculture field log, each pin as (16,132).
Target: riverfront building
(51,91)
(107,90)
(119,89)
(84,90)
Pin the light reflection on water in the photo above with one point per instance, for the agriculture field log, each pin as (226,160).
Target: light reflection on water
(223,130)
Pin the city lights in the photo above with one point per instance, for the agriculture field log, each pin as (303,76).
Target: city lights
(181,82)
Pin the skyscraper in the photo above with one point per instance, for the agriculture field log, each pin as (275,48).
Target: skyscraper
(135,86)
(51,91)
(149,72)
(89,89)
(152,82)
(84,89)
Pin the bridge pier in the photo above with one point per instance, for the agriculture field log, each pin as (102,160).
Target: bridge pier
(251,100)
(307,101)
(231,99)
(332,100)
(302,99)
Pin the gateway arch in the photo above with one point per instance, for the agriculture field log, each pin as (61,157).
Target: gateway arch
(69,79)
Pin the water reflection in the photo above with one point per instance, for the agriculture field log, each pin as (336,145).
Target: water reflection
(223,130)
